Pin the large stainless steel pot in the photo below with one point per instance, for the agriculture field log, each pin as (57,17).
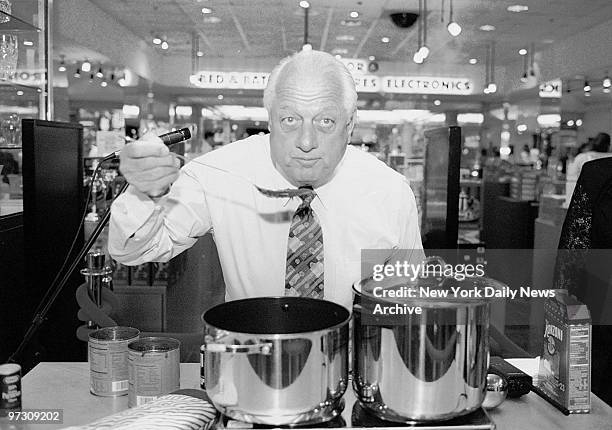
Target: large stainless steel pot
(277,360)
(432,366)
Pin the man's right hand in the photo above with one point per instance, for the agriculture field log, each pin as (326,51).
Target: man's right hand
(148,165)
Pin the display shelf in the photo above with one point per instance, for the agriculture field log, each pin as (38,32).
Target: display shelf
(16,24)
(12,84)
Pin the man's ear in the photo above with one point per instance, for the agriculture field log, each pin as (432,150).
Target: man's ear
(351,126)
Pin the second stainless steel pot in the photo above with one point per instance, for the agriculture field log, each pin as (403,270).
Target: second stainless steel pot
(277,360)
(427,367)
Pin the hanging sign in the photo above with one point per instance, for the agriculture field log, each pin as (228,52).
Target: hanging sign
(551,89)
(363,82)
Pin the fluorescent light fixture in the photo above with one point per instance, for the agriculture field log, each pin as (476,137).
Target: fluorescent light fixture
(522,51)
(131,111)
(200,54)
(385,39)
(517,8)
(345,38)
(454,29)
(183,111)
(339,51)
(206,10)
(549,120)
(86,66)
(473,60)
(470,118)
(28,43)
(487,27)
(397,116)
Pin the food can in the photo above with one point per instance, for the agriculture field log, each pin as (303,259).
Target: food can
(108,360)
(154,368)
(10,388)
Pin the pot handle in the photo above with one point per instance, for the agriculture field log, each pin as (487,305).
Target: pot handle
(257,348)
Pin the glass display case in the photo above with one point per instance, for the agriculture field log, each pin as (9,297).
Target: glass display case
(24,87)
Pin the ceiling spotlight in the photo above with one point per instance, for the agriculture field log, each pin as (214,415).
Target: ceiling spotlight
(521,128)
(570,123)
(424,52)
(473,60)
(418,58)
(487,27)
(524,78)
(86,66)
(354,14)
(77,74)
(206,10)
(220,96)
(200,54)
(371,58)
(164,45)
(103,84)
(338,57)
(578,122)
(62,66)
(157,41)
(100,74)
(522,51)
(437,102)
(304,4)
(587,86)
(19,92)
(607,83)
(385,39)
(454,29)
(491,88)
(517,8)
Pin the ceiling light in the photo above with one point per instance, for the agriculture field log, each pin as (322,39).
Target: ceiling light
(339,51)
(418,58)
(62,66)
(385,39)
(521,128)
(578,122)
(211,20)
(103,84)
(473,60)
(524,78)
(424,52)
(517,8)
(304,4)
(587,86)
(86,66)
(350,22)
(522,51)
(338,57)
(345,38)
(371,58)
(354,14)
(437,102)
(19,92)
(607,83)
(164,45)
(220,96)
(28,43)
(91,78)
(157,41)
(487,27)
(570,123)
(200,54)
(100,73)
(206,10)
(77,74)
(454,29)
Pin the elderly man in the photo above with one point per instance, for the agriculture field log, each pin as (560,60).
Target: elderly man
(306,245)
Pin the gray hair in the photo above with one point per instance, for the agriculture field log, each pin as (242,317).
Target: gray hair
(327,64)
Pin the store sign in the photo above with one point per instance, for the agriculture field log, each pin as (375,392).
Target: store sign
(355,65)
(551,89)
(364,83)
(230,80)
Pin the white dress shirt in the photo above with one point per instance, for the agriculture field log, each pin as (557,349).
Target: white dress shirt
(365,205)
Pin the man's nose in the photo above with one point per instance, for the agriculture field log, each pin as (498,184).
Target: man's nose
(308,139)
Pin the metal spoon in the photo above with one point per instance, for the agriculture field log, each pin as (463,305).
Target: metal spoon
(280,194)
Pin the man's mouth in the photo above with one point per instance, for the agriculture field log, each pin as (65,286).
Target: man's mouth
(307,162)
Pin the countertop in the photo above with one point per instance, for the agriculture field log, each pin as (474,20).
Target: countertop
(66,386)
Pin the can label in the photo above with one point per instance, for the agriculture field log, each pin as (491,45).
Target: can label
(152,373)
(10,388)
(108,360)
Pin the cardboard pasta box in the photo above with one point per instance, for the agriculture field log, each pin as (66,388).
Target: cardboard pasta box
(565,365)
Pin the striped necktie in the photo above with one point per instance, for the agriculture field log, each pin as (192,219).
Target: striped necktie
(304,276)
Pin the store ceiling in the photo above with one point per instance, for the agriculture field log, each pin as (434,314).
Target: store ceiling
(274,28)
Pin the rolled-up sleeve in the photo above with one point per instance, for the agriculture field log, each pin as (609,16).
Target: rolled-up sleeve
(143,230)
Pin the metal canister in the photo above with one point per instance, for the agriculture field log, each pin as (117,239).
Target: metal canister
(154,369)
(10,388)
(108,360)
